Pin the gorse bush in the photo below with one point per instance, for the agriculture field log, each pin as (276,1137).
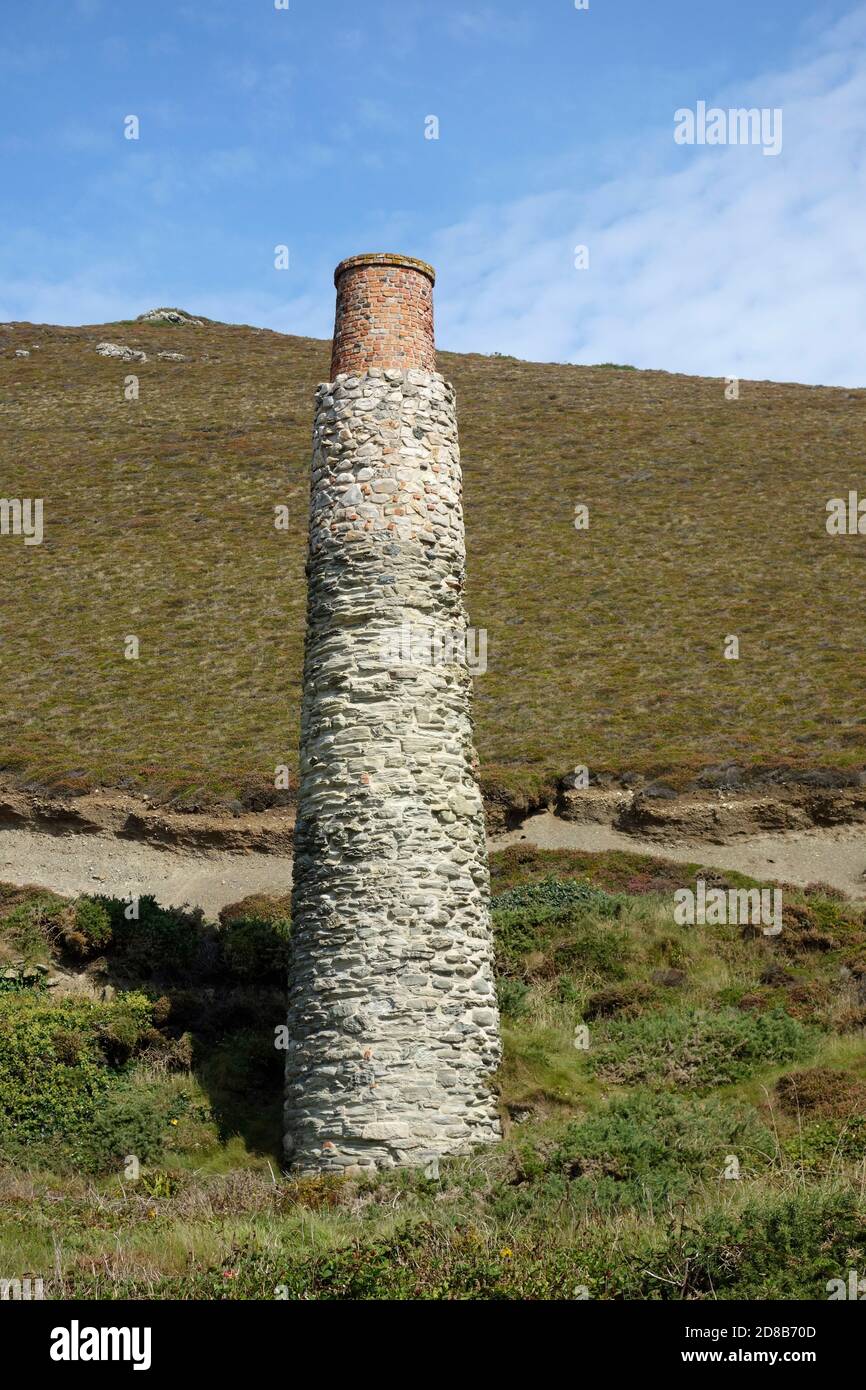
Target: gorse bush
(160,940)
(93,923)
(511,996)
(134,1117)
(46,923)
(70,1094)
(31,928)
(775,1247)
(559,893)
(649,1149)
(696,1048)
(58,1061)
(590,947)
(548,941)
(552,928)
(256,949)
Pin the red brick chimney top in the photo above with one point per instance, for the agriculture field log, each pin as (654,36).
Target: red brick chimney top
(384,314)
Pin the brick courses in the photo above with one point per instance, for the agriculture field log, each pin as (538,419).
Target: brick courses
(384,315)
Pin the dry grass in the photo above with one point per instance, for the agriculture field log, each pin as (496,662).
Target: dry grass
(605,646)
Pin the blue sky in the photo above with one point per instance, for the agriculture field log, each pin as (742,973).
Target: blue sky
(306,127)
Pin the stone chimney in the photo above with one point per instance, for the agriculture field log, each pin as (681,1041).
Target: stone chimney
(393,1025)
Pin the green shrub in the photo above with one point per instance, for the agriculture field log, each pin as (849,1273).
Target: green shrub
(58,1059)
(649,1148)
(93,923)
(516,933)
(549,941)
(135,1117)
(697,1049)
(592,948)
(511,997)
(256,949)
(776,1247)
(45,922)
(836,917)
(31,928)
(558,893)
(126,1028)
(159,941)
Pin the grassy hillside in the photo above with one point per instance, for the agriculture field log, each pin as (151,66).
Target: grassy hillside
(707,517)
(707,1143)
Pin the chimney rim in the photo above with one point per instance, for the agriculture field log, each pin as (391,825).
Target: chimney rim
(385,258)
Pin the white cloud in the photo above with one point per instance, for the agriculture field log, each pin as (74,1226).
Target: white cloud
(718,261)
(299,313)
(108,296)
(487,23)
(28,58)
(266,82)
(80,299)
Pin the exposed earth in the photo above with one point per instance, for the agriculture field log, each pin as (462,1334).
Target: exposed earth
(189,870)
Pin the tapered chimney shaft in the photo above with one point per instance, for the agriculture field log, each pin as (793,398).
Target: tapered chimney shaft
(393,1024)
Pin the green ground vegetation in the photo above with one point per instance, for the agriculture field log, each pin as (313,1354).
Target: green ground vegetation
(683,1107)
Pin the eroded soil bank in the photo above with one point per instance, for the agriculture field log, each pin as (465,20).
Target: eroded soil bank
(77,863)
(105,843)
(835,856)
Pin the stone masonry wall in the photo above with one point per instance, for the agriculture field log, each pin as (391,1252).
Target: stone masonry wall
(392,1012)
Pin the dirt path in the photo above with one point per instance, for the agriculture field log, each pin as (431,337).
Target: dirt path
(836,856)
(74,863)
(105,863)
